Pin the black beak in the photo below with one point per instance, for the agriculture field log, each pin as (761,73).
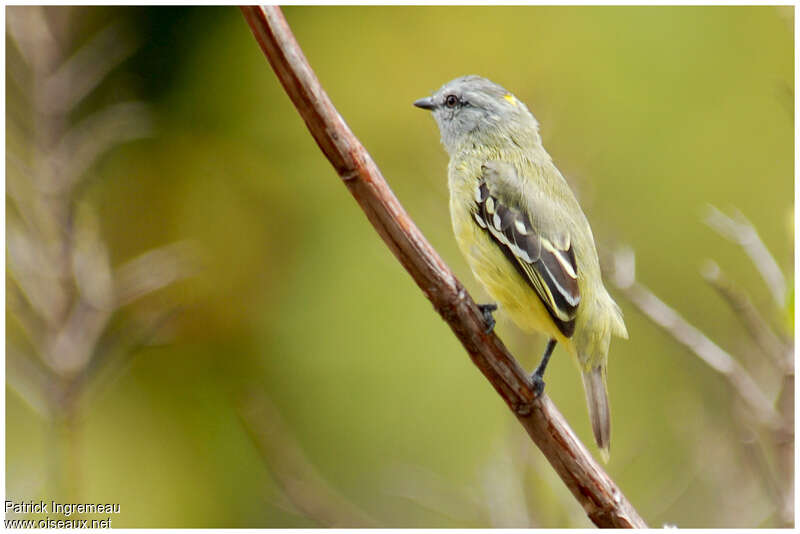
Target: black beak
(425,103)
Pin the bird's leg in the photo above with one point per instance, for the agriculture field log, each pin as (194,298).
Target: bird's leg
(538,375)
(486,310)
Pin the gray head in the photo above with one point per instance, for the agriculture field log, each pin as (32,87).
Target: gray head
(472,110)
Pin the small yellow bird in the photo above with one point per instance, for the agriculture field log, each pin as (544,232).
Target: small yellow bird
(523,233)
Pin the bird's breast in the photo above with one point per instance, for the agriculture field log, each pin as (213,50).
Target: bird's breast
(494,271)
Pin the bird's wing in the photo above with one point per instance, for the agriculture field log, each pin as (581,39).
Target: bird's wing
(544,257)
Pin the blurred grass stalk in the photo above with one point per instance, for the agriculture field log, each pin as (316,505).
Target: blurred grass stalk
(766,424)
(305,488)
(62,290)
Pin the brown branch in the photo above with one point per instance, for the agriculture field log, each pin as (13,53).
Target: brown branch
(600,497)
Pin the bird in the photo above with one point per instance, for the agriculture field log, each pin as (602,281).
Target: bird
(524,235)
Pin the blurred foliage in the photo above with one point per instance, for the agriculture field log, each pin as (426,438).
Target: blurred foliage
(651,113)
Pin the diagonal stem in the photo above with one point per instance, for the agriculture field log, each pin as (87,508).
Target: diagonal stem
(742,232)
(696,341)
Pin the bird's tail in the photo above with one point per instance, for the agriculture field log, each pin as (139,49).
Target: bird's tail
(602,318)
(594,382)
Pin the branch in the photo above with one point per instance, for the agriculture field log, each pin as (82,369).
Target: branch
(600,497)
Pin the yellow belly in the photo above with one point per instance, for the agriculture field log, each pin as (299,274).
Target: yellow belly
(500,278)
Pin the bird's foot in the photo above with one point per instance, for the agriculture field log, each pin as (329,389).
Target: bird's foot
(538,384)
(486,310)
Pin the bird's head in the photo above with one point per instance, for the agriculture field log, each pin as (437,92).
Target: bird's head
(472,110)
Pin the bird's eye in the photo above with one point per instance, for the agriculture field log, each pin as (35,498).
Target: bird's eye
(451,101)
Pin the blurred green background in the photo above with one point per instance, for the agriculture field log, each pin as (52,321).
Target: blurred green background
(299,314)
